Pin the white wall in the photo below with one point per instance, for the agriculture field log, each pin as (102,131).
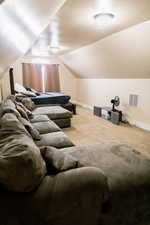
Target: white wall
(100,91)
(116,65)
(67,82)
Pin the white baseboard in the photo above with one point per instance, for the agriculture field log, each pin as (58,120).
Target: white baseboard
(82,104)
(139,124)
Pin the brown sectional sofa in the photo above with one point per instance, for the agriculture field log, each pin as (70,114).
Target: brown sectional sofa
(111,185)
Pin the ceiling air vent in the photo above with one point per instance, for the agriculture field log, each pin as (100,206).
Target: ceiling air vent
(133,100)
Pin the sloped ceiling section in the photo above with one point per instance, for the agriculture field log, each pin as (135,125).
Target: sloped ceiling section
(125,54)
(21,22)
(74,26)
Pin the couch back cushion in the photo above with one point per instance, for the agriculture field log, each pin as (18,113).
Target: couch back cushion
(28,112)
(28,103)
(21,165)
(22,112)
(8,106)
(31,129)
(57,160)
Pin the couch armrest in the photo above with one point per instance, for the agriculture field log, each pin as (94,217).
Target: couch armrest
(73,197)
(76,197)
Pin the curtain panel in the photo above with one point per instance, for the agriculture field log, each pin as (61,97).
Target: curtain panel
(52,82)
(32,76)
(42,77)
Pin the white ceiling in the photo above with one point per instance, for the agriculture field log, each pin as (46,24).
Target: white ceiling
(74,26)
(21,22)
(125,54)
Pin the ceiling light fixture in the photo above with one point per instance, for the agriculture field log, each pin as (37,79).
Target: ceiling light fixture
(104,18)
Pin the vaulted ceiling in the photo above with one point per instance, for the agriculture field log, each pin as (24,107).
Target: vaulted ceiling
(119,49)
(125,54)
(74,25)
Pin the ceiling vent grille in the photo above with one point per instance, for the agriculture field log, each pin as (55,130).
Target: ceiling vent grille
(133,100)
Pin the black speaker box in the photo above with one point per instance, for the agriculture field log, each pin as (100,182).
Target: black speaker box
(97,111)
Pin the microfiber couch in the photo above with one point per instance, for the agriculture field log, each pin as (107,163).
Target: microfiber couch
(46,183)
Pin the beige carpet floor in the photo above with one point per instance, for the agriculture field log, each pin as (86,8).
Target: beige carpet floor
(87,129)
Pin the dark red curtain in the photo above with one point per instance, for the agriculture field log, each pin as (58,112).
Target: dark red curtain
(52,82)
(42,77)
(32,76)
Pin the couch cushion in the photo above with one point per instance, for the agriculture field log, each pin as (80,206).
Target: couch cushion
(28,112)
(39,118)
(8,106)
(123,166)
(53,112)
(21,165)
(31,129)
(22,112)
(56,160)
(46,127)
(55,139)
(27,102)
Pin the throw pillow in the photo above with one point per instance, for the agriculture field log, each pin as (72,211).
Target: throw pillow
(29,113)
(22,112)
(27,102)
(56,160)
(33,90)
(29,93)
(19,88)
(32,130)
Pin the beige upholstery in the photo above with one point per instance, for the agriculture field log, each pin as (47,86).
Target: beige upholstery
(53,112)
(46,127)
(55,139)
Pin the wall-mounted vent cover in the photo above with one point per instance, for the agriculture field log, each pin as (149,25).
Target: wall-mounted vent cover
(133,100)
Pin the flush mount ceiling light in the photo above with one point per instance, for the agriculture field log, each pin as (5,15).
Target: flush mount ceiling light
(104,18)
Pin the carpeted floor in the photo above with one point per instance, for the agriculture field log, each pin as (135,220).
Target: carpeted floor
(87,128)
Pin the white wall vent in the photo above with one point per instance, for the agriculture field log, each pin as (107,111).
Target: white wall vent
(133,100)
